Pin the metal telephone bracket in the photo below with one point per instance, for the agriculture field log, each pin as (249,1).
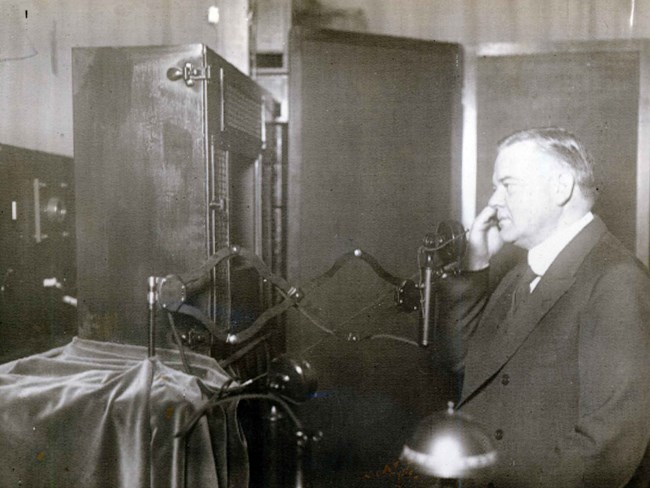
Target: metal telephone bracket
(189,73)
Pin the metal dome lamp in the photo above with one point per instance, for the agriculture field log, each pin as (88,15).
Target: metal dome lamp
(450,446)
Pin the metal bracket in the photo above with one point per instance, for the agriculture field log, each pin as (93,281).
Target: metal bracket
(172,293)
(189,73)
(407,296)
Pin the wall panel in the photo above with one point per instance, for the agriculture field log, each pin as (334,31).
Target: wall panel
(592,89)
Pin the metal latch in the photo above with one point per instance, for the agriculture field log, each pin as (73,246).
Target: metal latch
(189,73)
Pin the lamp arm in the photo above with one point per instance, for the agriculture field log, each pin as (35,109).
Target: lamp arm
(348,256)
(243,336)
(172,293)
(198,279)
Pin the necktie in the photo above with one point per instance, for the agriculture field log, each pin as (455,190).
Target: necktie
(522,291)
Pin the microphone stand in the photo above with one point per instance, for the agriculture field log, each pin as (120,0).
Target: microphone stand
(426,303)
(442,251)
(151,307)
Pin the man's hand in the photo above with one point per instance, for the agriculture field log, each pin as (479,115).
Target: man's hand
(483,241)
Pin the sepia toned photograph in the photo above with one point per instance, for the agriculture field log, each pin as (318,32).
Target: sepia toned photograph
(325,243)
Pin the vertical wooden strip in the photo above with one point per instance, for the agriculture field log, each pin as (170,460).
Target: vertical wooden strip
(469,157)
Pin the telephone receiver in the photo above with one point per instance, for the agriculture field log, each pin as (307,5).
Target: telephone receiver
(447,245)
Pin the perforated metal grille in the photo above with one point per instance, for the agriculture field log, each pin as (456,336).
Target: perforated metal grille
(220,303)
(221,192)
(242,112)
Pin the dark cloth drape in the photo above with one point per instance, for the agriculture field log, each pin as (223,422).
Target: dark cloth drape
(95,414)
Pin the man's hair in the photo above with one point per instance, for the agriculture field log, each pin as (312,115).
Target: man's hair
(567,148)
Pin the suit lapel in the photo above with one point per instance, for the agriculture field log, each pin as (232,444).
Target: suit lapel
(499,336)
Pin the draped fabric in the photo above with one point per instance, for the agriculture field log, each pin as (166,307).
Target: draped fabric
(94,414)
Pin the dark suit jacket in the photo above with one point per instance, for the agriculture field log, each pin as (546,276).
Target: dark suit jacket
(564,385)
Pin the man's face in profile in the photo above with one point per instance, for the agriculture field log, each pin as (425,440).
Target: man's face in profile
(524,182)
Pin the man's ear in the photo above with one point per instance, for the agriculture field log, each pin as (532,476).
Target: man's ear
(565,186)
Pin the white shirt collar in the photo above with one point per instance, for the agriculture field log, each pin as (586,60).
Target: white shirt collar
(542,255)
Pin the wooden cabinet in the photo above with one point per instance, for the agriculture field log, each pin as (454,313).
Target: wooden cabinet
(169,154)
(37,252)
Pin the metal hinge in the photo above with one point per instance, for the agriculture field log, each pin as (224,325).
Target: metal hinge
(189,73)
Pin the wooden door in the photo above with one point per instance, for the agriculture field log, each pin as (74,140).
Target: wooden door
(373,145)
(374,164)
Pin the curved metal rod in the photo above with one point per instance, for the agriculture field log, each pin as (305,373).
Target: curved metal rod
(197,279)
(357,253)
(198,314)
(227,336)
(214,402)
(267,315)
(392,338)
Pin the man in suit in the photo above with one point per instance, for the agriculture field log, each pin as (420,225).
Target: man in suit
(556,361)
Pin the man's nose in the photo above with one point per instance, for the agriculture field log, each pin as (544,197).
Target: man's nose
(496,199)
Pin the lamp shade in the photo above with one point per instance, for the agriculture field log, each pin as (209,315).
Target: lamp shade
(450,445)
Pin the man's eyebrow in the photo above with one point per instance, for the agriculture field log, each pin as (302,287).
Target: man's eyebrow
(507,179)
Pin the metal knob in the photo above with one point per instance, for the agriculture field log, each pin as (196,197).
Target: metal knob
(55,210)
(174,74)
